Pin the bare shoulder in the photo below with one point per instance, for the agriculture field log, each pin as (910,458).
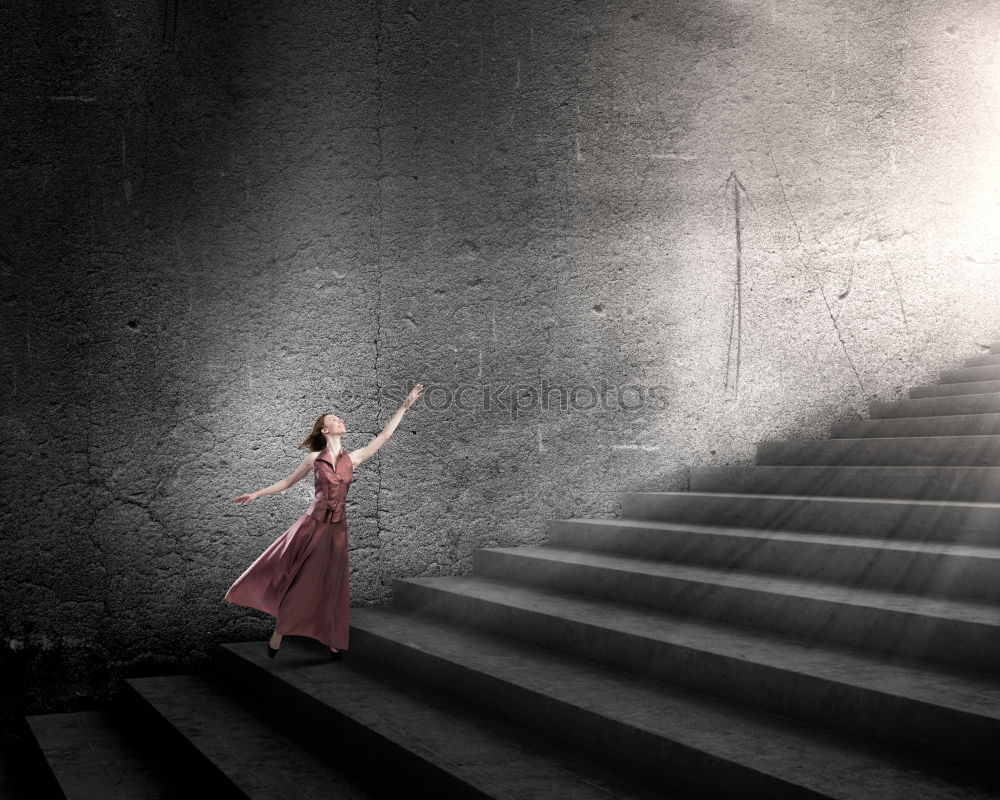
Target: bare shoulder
(357,457)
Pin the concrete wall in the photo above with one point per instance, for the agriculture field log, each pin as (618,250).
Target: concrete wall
(225,221)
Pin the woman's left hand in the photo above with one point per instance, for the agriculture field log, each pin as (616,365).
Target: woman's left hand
(413,395)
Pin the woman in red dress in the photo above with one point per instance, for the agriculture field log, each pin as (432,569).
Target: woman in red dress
(302,579)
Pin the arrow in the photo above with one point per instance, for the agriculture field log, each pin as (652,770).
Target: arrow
(736,314)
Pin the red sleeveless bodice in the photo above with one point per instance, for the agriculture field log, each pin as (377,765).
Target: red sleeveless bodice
(332,484)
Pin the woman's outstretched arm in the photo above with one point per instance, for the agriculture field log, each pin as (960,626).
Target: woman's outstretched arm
(280,486)
(362,454)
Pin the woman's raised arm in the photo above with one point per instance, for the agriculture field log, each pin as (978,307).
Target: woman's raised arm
(362,454)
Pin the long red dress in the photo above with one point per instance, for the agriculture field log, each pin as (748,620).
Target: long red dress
(302,579)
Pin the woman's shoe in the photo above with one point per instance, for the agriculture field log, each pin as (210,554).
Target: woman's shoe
(338,656)
(271,652)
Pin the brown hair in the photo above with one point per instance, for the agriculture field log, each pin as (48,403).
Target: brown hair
(315,440)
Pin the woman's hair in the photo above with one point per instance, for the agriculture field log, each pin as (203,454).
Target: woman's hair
(315,440)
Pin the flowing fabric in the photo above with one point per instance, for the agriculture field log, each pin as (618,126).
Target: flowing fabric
(303,578)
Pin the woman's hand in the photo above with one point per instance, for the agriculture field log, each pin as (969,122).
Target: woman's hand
(411,398)
(243,499)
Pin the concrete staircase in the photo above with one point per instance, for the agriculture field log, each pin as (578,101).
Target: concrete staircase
(823,625)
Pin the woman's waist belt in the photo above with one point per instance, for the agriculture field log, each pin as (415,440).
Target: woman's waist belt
(327,510)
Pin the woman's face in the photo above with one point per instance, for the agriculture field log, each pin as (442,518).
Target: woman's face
(334,425)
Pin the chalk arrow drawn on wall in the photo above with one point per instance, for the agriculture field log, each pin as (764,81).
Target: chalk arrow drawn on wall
(736,311)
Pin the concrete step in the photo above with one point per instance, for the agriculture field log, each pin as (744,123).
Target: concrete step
(868,695)
(883,518)
(937,406)
(955,389)
(942,569)
(980,372)
(958,425)
(100,754)
(25,774)
(952,632)
(673,736)
(979,361)
(434,745)
(893,451)
(253,754)
(970,484)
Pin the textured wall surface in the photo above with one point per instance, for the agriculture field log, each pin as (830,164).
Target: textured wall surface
(225,221)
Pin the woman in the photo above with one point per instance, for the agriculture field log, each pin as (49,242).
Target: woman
(302,579)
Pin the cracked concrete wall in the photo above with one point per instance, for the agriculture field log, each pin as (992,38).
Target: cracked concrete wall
(231,220)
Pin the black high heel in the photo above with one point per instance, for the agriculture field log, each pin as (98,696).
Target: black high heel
(271,652)
(338,656)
